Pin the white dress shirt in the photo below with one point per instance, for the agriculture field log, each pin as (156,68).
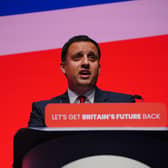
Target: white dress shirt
(73,97)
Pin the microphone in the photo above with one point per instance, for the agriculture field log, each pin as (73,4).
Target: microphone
(138,97)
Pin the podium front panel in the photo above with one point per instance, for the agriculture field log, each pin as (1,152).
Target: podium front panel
(56,148)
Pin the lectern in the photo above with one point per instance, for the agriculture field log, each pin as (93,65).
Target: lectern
(96,132)
(54,148)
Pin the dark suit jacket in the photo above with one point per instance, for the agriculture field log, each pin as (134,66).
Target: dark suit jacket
(38,108)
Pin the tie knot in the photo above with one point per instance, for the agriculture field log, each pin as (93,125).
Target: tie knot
(82,99)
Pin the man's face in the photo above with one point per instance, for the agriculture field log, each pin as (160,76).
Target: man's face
(81,66)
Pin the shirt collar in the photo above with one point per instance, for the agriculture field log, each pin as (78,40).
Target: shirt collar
(89,96)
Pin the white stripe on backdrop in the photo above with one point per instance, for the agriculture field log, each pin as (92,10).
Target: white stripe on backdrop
(109,22)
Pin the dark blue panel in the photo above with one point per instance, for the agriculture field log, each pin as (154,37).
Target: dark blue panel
(12,7)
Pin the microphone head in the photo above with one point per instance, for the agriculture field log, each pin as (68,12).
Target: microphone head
(137,97)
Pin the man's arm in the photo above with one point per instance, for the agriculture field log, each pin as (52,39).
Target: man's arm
(36,116)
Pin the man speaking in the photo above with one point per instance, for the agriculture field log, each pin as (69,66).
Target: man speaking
(80,63)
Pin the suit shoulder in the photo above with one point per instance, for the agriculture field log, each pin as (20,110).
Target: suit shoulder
(116,97)
(57,99)
(115,93)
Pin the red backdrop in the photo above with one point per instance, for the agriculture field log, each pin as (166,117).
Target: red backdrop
(130,66)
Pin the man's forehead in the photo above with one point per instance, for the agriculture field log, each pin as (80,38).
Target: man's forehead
(82,46)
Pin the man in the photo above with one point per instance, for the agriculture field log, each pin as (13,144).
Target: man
(80,62)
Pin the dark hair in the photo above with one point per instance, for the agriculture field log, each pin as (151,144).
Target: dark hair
(77,39)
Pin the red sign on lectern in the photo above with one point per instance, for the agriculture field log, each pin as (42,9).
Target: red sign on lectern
(106,115)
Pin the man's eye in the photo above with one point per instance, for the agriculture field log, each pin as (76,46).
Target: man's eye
(77,56)
(92,57)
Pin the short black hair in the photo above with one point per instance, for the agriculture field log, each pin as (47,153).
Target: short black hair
(77,38)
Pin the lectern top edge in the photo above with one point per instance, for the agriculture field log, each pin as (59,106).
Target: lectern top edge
(101,129)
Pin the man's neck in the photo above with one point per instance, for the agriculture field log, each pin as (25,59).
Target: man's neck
(81,90)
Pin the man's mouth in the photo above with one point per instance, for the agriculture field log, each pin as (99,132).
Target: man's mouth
(84,74)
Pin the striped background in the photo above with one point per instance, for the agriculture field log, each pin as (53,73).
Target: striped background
(133,36)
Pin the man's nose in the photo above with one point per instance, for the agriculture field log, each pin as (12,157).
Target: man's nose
(85,62)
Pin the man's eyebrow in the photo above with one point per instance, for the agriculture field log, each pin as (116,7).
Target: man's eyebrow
(92,52)
(79,52)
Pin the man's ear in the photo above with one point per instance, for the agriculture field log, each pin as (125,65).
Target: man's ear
(62,67)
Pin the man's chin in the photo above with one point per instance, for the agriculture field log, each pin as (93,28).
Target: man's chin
(86,83)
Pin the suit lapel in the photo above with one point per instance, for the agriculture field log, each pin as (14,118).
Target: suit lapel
(99,96)
(64,98)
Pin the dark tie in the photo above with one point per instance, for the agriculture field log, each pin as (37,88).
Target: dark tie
(82,99)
